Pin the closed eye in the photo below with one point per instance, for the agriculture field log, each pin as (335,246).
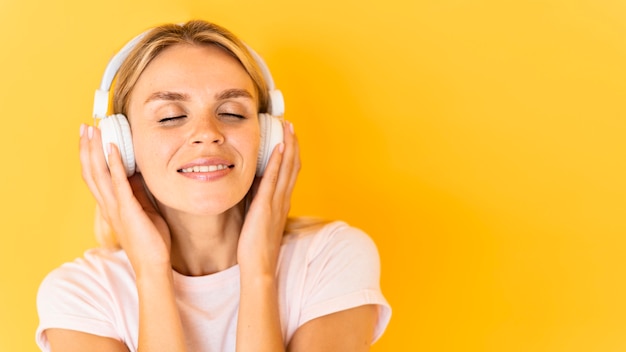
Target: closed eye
(228,114)
(171,119)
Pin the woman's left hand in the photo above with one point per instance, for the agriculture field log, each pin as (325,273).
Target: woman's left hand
(262,232)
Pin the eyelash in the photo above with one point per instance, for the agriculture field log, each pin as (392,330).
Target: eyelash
(233,115)
(170,119)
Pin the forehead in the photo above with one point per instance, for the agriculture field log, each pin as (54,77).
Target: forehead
(194,67)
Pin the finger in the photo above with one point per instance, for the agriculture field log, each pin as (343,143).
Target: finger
(101,175)
(289,167)
(291,160)
(267,184)
(121,188)
(85,162)
(297,166)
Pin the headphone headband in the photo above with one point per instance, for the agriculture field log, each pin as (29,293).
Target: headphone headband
(101,98)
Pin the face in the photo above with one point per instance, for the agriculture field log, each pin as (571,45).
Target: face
(193,116)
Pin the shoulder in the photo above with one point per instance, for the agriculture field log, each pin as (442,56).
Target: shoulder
(332,251)
(330,258)
(329,239)
(331,268)
(84,294)
(87,279)
(95,266)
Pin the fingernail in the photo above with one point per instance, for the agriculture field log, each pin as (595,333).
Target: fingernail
(90,132)
(82,129)
(291,127)
(109,148)
(281,147)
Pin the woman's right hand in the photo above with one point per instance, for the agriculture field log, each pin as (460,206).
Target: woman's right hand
(143,234)
(124,204)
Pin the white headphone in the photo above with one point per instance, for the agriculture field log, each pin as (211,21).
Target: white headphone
(115,128)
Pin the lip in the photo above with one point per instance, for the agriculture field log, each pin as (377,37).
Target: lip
(208,175)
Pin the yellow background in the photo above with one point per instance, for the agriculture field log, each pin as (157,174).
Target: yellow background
(480,143)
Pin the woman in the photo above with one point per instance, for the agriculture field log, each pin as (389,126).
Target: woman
(208,259)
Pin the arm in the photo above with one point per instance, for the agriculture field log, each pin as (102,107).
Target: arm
(76,341)
(159,323)
(348,330)
(144,236)
(258,326)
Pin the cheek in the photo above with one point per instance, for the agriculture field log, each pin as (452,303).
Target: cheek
(140,146)
(247,145)
(252,144)
(149,149)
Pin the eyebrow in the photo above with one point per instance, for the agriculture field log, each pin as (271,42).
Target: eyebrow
(233,93)
(175,96)
(168,96)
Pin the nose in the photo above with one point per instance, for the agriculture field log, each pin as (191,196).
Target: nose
(206,129)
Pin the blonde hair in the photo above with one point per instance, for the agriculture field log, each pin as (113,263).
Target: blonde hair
(195,32)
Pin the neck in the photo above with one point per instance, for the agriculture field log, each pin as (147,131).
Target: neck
(203,245)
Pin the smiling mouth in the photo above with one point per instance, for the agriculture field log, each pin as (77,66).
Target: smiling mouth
(206,168)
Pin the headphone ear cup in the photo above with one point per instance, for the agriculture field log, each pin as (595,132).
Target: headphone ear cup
(115,129)
(271,136)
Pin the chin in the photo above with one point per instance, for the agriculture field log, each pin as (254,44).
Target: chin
(203,205)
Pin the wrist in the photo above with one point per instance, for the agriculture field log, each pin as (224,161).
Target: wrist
(260,269)
(257,280)
(152,272)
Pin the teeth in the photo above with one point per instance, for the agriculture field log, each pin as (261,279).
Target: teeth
(205,168)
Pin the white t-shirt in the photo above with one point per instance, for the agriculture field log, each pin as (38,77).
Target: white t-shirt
(320,272)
